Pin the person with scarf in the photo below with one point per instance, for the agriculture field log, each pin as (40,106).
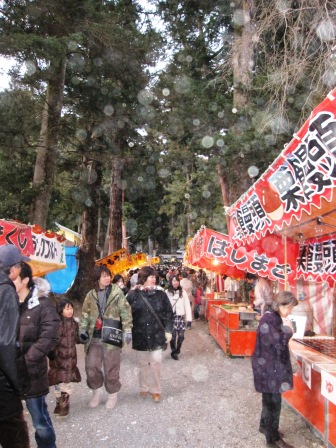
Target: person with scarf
(153,320)
(102,361)
(180,303)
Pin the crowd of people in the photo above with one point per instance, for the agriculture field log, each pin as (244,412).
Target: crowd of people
(150,309)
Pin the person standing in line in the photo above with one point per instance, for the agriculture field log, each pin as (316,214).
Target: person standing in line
(263,295)
(102,361)
(63,370)
(271,365)
(187,286)
(198,301)
(13,427)
(39,334)
(151,332)
(180,303)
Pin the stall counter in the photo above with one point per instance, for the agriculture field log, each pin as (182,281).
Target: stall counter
(318,411)
(229,332)
(207,302)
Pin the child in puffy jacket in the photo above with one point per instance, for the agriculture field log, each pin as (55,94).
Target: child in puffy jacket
(63,370)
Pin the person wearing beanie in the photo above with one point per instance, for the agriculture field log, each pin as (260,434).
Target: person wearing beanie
(63,370)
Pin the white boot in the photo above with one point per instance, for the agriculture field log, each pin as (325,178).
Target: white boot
(97,396)
(111,401)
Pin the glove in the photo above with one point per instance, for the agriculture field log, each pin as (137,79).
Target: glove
(83,337)
(127,338)
(168,337)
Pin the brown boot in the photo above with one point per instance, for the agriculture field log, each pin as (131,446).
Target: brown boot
(64,405)
(57,408)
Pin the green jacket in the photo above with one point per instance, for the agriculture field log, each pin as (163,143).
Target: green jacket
(117,307)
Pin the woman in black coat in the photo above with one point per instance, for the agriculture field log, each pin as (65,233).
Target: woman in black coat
(271,364)
(150,334)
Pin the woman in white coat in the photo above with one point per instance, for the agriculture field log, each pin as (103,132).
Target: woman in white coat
(182,314)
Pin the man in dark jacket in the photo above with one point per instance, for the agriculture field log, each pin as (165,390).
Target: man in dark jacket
(13,427)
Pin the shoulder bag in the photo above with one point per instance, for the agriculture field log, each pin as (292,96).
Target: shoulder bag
(111,331)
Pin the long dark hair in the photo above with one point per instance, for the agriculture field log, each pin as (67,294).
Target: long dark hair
(170,285)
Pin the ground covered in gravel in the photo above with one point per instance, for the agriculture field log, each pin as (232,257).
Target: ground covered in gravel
(208,400)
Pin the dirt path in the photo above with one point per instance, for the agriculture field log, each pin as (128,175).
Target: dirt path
(208,400)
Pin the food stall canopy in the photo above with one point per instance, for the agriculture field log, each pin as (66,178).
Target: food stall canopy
(121,260)
(45,249)
(49,252)
(61,280)
(212,250)
(295,200)
(69,235)
(18,234)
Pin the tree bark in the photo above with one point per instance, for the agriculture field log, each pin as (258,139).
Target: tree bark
(115,221)
(45,165)
(224,188)
(87,252)
(242,56)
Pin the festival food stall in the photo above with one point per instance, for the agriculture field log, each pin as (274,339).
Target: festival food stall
(49,252)
(291,212)
(233,326)
(18,234)
(121,261)
(45,249)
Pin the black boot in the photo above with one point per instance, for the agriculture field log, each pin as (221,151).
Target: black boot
(64,405)
(174,355)
(57,408)
(179,345)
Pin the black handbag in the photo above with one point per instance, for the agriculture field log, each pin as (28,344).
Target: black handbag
(111,332)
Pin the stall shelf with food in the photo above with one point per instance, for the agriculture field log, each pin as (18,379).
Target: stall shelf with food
(314,392)
(234,328)
(212,299)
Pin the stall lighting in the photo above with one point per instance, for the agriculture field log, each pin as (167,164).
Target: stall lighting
(319,222)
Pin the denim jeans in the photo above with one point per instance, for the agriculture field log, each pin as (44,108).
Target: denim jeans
(44,431)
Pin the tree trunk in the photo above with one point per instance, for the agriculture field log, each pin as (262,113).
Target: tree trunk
(115,221)
(242,57)
(87,252)
(45,165)
(224,189)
